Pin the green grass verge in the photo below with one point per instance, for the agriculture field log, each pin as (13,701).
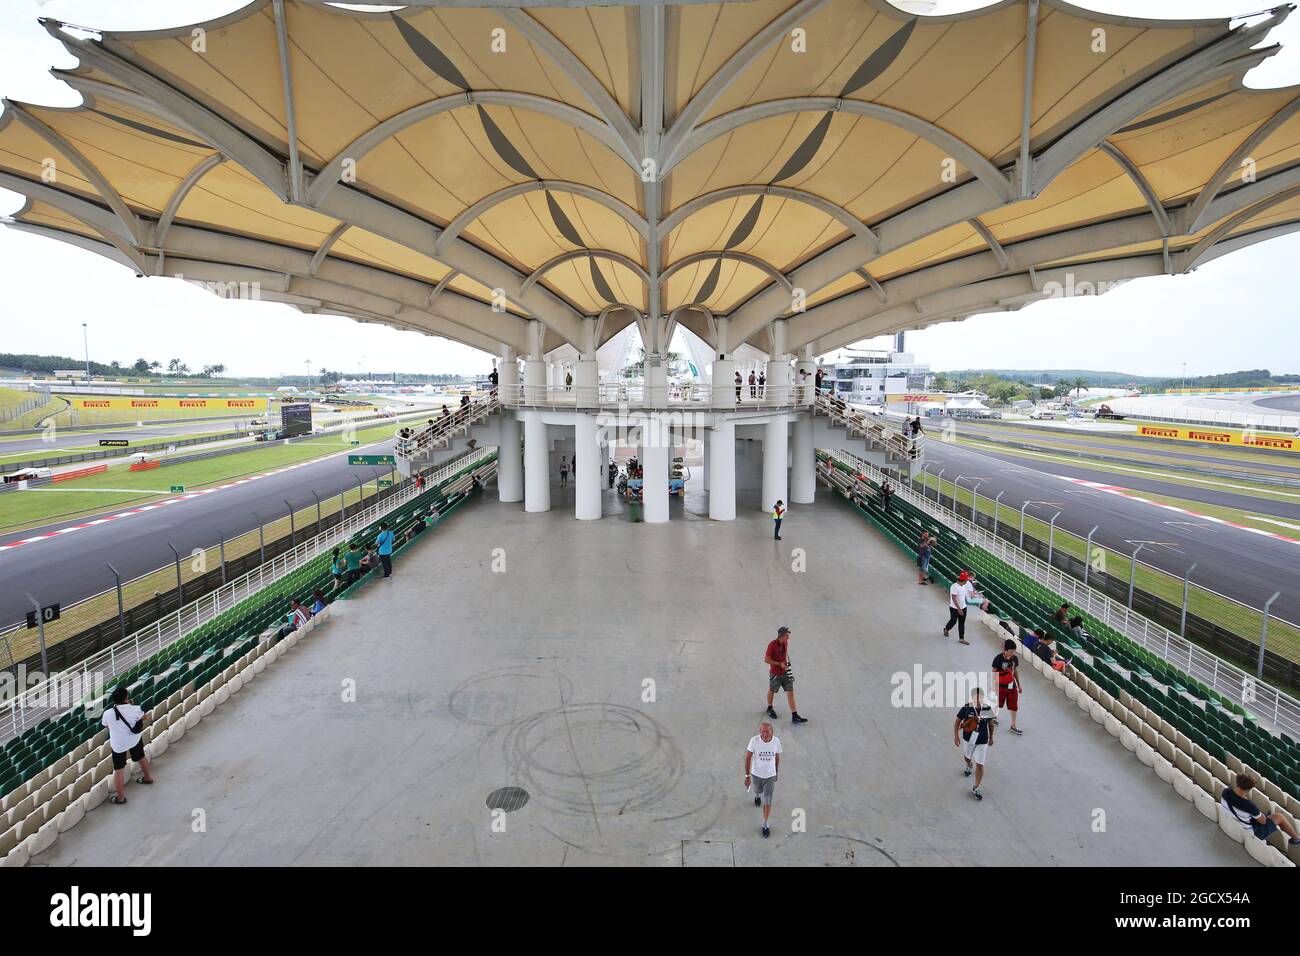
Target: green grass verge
(28,509)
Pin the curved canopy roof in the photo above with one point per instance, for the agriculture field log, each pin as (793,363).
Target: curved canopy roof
(838,165)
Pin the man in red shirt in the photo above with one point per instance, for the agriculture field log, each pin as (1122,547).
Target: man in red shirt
(1006,670)
(781,674)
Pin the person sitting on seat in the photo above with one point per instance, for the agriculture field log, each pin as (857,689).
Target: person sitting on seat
(1074,623)
(297,617)
(1236,800)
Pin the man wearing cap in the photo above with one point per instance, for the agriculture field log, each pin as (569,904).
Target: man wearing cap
(781,674)
(957,595)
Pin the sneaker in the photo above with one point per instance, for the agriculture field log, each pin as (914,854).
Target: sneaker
(967,772)
(945,633)
(757,801)
(1016,730)
(771,713)
(976,791)
(1293,842)
(796,719)
(767,832)
(962,640)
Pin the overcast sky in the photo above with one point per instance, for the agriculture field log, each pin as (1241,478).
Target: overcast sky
(1234,313)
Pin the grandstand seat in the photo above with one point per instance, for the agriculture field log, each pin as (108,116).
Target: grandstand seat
(1163,768)
(72,813)
(1206,804)
(16,857)
(43,838)
(1145,753)
(1232,827)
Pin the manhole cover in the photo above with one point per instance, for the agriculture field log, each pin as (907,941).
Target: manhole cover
(508,799)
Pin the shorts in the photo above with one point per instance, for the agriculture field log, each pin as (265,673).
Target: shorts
(763,788)
(776,682)
(976,753)
(1264,830)
(923,562)
(1008,697)
(136,752)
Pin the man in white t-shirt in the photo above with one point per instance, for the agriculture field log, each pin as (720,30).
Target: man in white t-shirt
(125,722)
(958,594)
(762,763)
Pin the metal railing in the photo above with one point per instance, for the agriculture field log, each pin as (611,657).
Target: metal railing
(16,716)
(872,428)
(1270,704)
(616,395)
(436,435)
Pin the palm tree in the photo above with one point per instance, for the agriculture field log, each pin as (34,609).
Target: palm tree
(1078,386)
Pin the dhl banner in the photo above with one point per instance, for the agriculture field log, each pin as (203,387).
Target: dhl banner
(1233,437)
(143,402)
(909,398)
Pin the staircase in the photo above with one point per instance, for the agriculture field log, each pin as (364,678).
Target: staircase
(839,426)
(476,425)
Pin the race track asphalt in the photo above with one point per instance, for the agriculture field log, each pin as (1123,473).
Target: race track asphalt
(74,565)
(1238,563)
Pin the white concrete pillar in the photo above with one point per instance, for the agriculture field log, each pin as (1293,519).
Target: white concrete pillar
(657,452)
(586,382)
(510,462)
(587,476)
(537,463)
(656,382)
(775,462)
(534,381)
(722,472)
(778,381)
(803,470)
(724,383)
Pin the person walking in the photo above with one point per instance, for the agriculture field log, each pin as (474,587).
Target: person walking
(338,567)
(385,542)
(495,377)
(886,494)
(1006,671)
(820,377)
(353,563)
(780,675)
(778,515)
(923,549)
(961,589)
(762,764)
(739,385)
(975,724)
(125,722)
(564,470)
(762,385)
(753,384)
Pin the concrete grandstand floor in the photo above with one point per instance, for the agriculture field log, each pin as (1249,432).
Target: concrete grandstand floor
(468,680)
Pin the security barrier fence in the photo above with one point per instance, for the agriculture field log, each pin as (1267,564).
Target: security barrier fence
(1195,611)
(116,452)
(91,624)
(1235,684)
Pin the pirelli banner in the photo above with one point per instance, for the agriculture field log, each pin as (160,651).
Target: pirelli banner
(139,403)
(1233,437)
